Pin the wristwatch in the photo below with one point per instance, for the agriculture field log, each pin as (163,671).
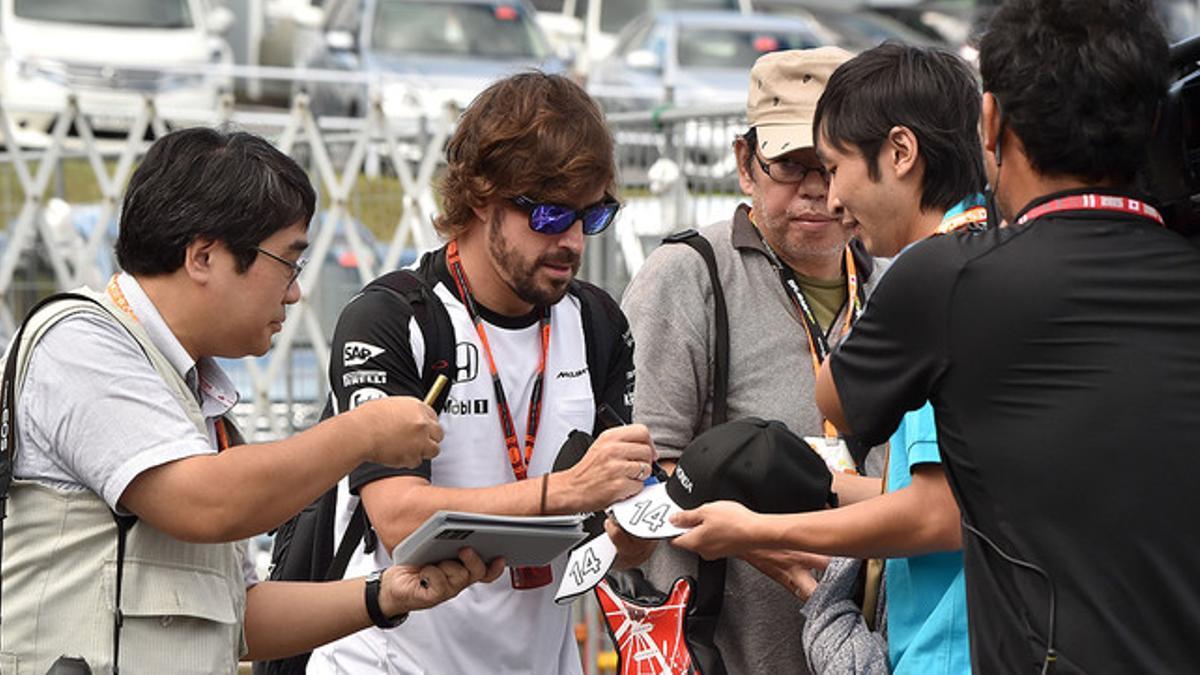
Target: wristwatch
(371,596)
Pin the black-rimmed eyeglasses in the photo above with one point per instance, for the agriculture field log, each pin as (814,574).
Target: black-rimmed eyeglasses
(295,267)
(789,171)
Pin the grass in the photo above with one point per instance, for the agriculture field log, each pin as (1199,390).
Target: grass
(377,202)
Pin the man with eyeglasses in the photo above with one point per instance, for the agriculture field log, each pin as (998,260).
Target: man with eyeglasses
(792,284)
(530,176)
(132,493)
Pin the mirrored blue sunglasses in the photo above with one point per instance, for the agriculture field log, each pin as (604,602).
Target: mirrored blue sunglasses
(556,218)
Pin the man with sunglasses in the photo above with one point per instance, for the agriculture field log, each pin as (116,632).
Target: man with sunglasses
(792,285)
(530,175)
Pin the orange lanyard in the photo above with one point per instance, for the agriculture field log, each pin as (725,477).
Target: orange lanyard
(973,216)
(818,343)
(520,464)
(118,297)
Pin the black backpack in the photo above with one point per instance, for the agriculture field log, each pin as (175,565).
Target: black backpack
(304,546)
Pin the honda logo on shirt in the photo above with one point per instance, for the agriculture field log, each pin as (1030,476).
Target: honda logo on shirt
(467,357)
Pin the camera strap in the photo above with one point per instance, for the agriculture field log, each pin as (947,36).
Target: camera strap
(8,409)
(8,442)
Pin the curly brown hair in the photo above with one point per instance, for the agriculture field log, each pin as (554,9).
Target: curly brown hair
(531,134)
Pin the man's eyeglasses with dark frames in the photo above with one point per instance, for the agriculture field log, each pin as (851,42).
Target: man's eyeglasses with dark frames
(549,218)
(790,172)
(295,267)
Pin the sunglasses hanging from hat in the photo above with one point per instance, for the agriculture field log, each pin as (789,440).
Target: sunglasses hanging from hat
(818,338)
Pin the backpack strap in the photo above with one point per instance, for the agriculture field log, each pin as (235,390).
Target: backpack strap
(698,243)
(434,320)
(710,577)
(8,451)
(440,353)
(356,530)
(605,330)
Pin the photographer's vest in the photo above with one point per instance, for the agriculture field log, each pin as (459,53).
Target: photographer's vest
(182,603)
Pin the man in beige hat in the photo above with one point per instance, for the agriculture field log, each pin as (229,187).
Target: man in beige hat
(792,283)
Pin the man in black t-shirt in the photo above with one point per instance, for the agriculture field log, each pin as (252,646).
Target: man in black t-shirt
(1061,355)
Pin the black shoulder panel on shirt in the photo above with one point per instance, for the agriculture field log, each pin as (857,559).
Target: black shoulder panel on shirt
(609,348)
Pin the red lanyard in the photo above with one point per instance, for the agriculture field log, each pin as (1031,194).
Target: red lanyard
(818,342)
(1093,202)
(520,464)
(118,297)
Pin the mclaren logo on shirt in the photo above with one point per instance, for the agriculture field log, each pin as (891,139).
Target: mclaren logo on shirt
(570,374)
(467,357)
(361,396)
(358,353)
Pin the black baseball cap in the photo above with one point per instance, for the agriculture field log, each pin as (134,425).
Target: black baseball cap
(758,463)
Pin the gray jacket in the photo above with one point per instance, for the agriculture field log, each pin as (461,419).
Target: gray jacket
(836,639)
(670,306)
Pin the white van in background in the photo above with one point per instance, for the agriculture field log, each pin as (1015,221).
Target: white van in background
(112,54)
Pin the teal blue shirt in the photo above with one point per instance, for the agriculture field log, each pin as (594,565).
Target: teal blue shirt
(926,595)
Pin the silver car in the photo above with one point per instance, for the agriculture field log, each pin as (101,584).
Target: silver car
(427,53)
(692,57)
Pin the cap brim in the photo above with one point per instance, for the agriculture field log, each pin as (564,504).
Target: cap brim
(647,515)
(586,567)
(775,140)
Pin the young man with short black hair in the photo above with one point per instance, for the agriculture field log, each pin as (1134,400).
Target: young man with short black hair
(897,129)
(131,494)
(530,174)
(792,285)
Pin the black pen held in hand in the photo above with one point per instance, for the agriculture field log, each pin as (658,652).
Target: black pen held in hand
(610,419)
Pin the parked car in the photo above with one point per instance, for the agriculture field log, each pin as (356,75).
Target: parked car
(689,59)
(956,23)
(849,27)
(427,53)
(112,54)
(693,57)
(591,27)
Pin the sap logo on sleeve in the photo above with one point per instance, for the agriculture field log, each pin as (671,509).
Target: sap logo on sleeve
(358,353)
(363,395)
